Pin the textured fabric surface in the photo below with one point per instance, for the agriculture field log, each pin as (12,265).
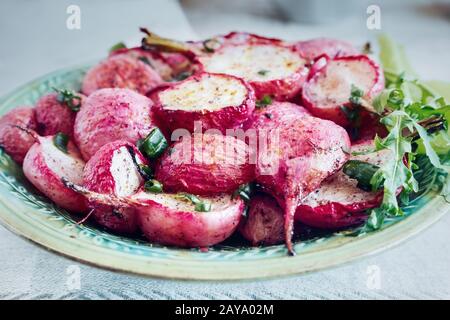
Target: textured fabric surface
(418,268)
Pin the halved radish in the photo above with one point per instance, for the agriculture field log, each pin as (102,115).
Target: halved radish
(300,153)
(338,202)
(264,223)
(329,89)
(218,101)
(114,170)
(213,164)
(54,115)
(121,71)
(271,67)
(15,141)
(111,114)
(333,48)
(46,164)
(171,220)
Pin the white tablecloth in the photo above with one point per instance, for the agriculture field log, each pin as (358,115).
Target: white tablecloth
(34,41)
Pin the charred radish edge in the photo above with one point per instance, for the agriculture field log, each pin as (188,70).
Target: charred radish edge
(68,97)
(144,170)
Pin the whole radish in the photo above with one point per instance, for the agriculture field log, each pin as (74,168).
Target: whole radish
(55,112)
(108,115)
(121,71)
(14,140)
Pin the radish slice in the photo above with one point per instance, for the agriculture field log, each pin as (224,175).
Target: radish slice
(121,71)
(330,88)
(338,202)
(114,170)
(301,152)
(270,67)
(224,166)
(264,224)
(166,219)
(333,48)
(45,165)
(15,141)
(218,101)
(108,115)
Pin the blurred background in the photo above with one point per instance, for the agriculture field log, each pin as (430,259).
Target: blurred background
(35,40)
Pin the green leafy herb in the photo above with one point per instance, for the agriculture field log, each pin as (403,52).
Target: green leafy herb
(69,98)
(200,206)
(355,95)
(263,72)
(117,46)
(361,171)
(153,186)
(153,145)
(60,140)
(264,102)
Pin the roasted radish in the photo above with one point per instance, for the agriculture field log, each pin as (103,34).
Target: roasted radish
(51,159)
(14,140)
(271,67)
(55,112)
(330,89)
(339,202)
(216,101)
(115,169)
(186,220)
(108,115)
(333,48)
(213,164)
(264,224)
(300,153)
(152,58)
(121,71)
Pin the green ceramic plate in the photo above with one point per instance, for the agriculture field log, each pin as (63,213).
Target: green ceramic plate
(32,216)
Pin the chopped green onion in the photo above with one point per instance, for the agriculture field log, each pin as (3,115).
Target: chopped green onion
(60,140)
(153,145)
(244,191)
(263,72)
(264,102)
(200,206)
(117,46)
(153,186)
(363,172)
